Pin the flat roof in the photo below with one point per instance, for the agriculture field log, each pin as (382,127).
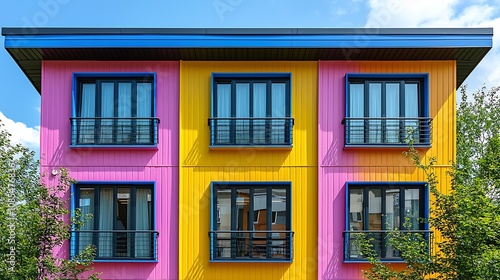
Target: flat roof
(29,46)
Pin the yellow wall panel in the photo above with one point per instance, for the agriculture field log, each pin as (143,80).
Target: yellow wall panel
(199,166)
(195,223)
(442,110)
(195,110)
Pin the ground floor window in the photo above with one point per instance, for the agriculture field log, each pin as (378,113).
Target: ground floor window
(122,224)
(251,221)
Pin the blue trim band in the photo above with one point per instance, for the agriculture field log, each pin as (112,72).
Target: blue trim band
(248,41)
(251,75)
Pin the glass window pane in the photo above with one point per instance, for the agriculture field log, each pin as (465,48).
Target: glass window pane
(143,240)
(107,112)
(260,239)
(259,111)
(144,100)
(223,111)
(224,222)
(412,207)
(144,125)
(123,240)
(106,222)
(278,110)
(375,218)
(86,205)
(392,217)
(355,127)
(279,223)
(392,111)
(242,222)
(87,107)
(242,111)
(411,111)
(356,209)
(86,125)
(124,129)
(375,113)
(375,209)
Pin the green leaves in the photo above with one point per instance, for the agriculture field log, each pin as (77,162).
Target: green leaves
(468,217)
(32,219)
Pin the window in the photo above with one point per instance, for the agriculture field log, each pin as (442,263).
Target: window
(387,110)
(114,110)
(252,110)
(252,222)
(122,227)
(375,208)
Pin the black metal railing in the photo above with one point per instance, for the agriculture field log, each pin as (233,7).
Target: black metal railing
(379,241)
(251,245)
(116,244)
(387,131)
(114,131)
(251,131)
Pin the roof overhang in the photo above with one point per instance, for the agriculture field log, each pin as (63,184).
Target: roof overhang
(29,46)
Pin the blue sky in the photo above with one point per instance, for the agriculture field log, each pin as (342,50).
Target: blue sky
(20,103)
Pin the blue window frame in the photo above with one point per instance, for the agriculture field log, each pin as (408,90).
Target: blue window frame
(374,208)
(251,110)
(122,227)
(251,221)
(114,110)
(387,110)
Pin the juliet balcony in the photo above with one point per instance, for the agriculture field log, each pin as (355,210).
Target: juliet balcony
(380,242)
(261,245)
(116,244)
(387,132)
(114,131)
(263,132)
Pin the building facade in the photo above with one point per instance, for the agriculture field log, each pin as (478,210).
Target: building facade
(245,153)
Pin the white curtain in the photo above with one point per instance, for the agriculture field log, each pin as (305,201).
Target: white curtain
(105,246)
(259,111)
(375,111)
(86,205)
(223,111)
(356,110)
(143,241)
(87,110)
(243,111)
(107,111)
(144,105)
(124,134)
(278,110)
(411,110)
(392,111)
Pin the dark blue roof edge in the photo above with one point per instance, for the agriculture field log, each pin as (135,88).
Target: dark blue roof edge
(32,31)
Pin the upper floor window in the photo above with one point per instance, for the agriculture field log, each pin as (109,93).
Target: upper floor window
(114,110)
(251,221)
(387,109)
(122,227)
(251,109)
(373,209)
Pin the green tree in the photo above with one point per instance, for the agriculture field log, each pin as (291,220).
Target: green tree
(31,219)
(468,217)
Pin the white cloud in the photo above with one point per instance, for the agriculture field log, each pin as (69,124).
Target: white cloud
(22,134)
(446,13)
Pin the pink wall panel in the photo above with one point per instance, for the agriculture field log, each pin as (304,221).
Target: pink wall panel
(337,165)
(56,111)
(114,165)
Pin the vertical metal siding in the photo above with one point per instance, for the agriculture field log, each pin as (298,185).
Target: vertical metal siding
(199,166)
(96,164)
(338,165)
